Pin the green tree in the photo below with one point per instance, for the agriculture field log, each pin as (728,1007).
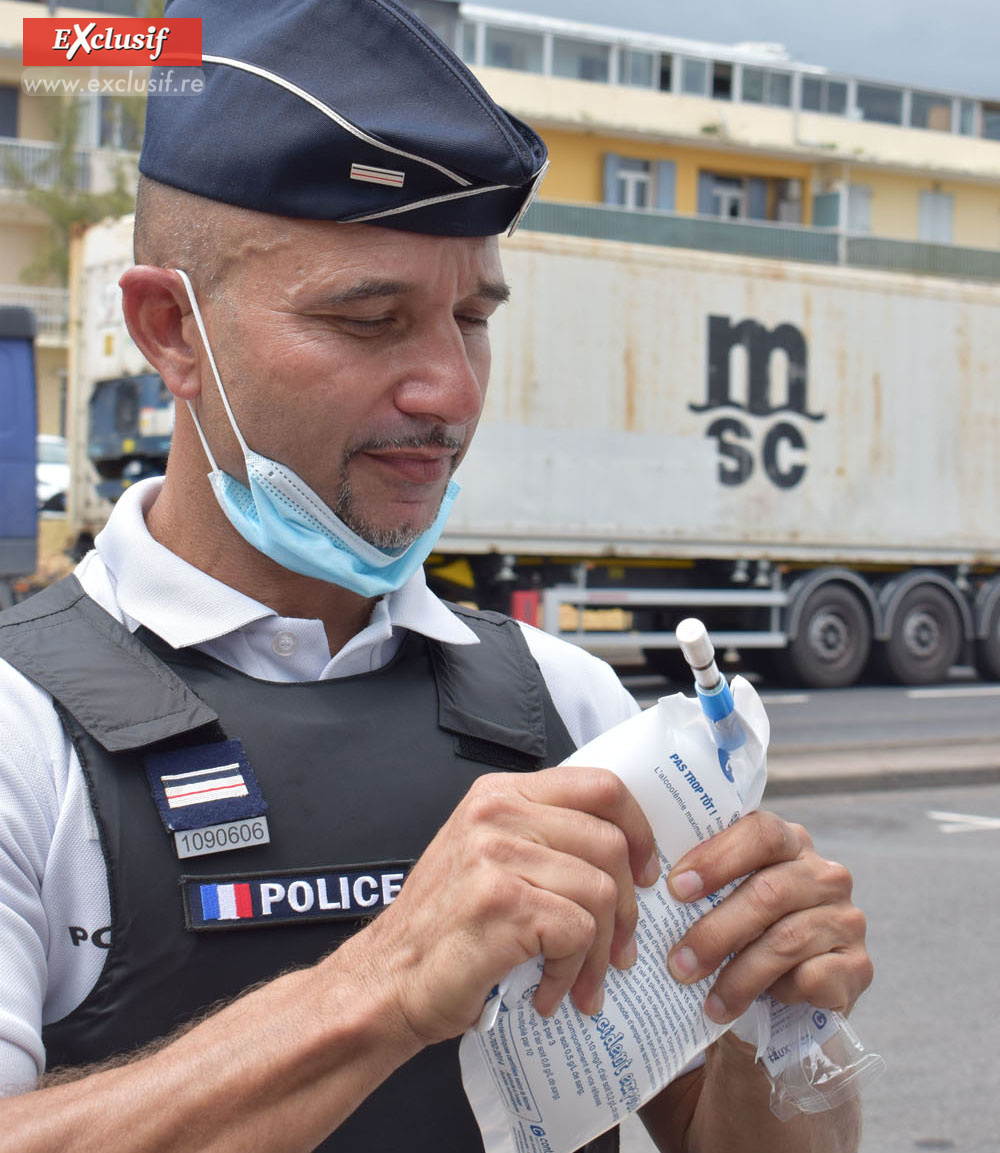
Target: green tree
(55,186)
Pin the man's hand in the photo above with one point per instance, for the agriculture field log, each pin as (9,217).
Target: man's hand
(790,925)
(543,863)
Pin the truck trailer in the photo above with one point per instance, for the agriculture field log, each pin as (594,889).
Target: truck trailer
(803,455)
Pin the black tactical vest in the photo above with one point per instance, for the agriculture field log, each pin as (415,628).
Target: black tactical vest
(358,774)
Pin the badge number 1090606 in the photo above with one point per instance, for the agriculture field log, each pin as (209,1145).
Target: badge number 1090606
(222,838)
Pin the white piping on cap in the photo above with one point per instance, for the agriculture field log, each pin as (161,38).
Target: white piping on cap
(424,203)
(337,118)
(532,193)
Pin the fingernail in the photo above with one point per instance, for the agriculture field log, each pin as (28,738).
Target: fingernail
(630,954)
(597,1002)
(683,963)
(715,1009)
(651,873)
(686,885)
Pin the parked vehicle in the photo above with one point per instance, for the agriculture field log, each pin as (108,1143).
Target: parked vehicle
(18,515)
(51,472)
(803,455)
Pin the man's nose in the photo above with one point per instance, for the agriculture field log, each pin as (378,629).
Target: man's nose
(445,377)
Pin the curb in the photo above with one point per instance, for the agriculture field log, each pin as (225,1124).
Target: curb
(880,782)
(811,772)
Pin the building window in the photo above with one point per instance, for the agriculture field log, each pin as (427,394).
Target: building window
(788,201)
(722,81)
(8,110)
(694,76)
(508,48)
(763,87)
(637,68)
(468,42)
(936,213)
(439,15)
(859,208)
(580,59)
(820,95)
(633,183)
(666,73)
(879,104)
(928,110)
(728,198)
(967,117)
(991,121)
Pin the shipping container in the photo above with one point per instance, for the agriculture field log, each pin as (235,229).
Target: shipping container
(803,455)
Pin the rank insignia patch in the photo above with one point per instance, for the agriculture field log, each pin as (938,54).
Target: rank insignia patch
(204,785)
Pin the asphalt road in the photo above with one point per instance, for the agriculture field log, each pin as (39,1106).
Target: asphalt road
(927,872)
(859,718)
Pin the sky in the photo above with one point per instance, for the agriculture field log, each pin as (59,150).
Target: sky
(947,44)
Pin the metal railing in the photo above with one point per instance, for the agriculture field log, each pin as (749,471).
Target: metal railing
(50,306)
(760,238)
(35,163)
(774,599)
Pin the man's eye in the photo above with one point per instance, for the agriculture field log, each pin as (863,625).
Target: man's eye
(473,321)
(366,324)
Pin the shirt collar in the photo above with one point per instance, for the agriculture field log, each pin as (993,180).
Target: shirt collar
(185,606)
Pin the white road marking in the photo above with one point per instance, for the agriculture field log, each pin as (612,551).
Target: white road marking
(956,691)
(785,699)
(963,822)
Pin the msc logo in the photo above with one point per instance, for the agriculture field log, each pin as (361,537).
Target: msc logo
(783,445)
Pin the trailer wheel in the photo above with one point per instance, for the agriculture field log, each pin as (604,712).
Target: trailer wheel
(833,640)
(926,636)
(988,648)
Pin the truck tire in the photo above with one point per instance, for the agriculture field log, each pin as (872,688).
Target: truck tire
(926,637)
(833,640)
(988,647)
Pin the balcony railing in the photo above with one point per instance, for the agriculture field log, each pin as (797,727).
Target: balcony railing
(764,239)
(35,162)
(50,306)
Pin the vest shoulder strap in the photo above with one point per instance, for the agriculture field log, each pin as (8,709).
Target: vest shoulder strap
(471,689)
(91,664)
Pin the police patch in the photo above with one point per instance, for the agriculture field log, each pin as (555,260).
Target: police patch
(290,896)
(204,785)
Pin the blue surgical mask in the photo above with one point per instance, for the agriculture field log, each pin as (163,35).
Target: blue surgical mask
(281,516)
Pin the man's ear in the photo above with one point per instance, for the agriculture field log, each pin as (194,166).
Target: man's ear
(155,305)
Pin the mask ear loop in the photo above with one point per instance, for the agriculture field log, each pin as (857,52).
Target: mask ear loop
(196,311)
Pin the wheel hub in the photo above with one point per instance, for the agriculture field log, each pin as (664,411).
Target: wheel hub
(829,636)
(922,634)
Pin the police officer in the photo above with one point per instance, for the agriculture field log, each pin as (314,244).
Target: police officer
(245,725)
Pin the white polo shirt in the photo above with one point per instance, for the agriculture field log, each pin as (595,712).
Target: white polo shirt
(52,872)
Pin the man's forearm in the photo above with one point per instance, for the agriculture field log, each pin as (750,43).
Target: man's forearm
(734,1112)
(275,1071)
(726,1106)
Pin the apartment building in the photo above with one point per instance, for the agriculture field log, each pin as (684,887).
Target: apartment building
(106,147)
(736,132)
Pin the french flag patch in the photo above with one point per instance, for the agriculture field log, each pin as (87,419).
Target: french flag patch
(204,785)
(368,174)
(226,902)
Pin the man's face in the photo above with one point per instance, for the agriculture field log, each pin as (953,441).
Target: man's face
(359,357)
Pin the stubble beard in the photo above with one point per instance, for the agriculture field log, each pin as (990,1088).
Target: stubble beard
(388,538)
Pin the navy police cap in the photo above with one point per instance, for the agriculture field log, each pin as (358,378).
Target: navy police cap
(348,110)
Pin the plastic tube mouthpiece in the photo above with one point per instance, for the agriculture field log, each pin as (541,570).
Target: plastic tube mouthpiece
(699,652)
